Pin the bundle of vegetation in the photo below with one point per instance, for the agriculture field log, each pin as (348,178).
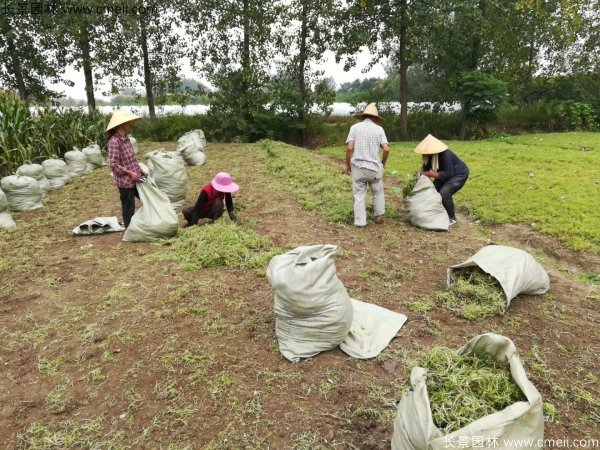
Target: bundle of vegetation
(222,243)
(465,388)
(474,294)
(409,185)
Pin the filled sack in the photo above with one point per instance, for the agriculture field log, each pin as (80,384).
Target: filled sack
(134,144)
(35,171)
(155,219)
(76,162)
(6,220)
(414,428)
(23,193)
(93,156)
(313,311)
(191,147)
(425,208)
(516,270)
(56,172)
(169,174)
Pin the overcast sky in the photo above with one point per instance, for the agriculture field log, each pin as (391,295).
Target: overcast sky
(336,71)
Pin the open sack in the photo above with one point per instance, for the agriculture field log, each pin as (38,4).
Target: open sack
(425,208)
(414,428)
(516,270)
(314,312)
(155,219)
(169,174)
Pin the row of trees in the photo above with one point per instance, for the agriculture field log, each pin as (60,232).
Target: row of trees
(261,55)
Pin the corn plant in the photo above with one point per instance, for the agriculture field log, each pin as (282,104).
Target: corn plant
(16,126)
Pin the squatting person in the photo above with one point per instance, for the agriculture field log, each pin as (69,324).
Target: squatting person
(123,161)
(450,173)
(210,201)
(364,142)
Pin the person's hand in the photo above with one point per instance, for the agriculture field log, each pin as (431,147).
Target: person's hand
(233,217)
(430,174)
(134,176)
(346,168)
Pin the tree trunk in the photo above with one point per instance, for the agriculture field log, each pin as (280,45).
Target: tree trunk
(84,45)
(302,57)
(403,71)
(17,69)
(526,95)
(246,70)
(147,69)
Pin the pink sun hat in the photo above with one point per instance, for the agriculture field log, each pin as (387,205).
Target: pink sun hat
(224,183)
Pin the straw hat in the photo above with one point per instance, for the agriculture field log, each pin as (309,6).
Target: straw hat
(224,183)
(371,112)
(120,117)
(430,146)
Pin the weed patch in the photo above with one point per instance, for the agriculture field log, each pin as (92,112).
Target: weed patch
(474,295)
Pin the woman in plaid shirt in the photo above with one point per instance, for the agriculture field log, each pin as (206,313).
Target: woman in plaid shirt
(123,162)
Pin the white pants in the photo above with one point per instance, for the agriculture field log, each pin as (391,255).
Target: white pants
(361,178)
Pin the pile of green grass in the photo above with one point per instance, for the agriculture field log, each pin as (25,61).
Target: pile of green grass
(222,243)
(463,389)
(474,294)
(317,184)
(409,185)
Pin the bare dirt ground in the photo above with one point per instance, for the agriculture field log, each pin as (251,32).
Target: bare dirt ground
(107,344)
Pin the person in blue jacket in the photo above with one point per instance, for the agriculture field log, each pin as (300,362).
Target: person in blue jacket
(449,172)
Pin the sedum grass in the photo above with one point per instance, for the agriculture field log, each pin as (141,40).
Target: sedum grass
(474,294)
(222,243)
(463,389)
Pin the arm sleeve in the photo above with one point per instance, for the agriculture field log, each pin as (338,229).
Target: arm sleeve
(229,203)
(350,135)
(446,166)
(113,158)
(202,198)
(383,138)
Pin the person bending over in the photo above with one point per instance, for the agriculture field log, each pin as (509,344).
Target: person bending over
(210,201)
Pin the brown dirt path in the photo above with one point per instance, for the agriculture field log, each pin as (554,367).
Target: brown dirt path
(108,343)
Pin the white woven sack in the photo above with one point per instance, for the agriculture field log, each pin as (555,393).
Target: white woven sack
(155,219)
(77,162)
(22,193)
(313,311)
(523,421)
(191,146)
(36,171)
(56,172)
(6,220)
(516,270)
(169,174)
(425,208)
(134,144)
(93,156)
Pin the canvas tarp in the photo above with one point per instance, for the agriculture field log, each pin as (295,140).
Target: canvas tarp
(414,428)
(35,171)
(314,312)
(99,225)
(169,174)
(425,208)
(6,220)
(155,219)
(516,270)
(22,193)
(56,172)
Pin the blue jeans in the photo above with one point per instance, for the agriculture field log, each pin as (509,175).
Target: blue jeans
(447,190)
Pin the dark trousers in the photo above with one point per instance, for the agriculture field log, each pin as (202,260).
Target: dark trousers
(214,212)
(128,196)
(447,190)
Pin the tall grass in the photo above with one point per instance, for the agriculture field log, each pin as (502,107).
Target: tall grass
(27,137)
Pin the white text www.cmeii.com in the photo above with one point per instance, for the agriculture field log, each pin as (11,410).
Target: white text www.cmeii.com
(497,443)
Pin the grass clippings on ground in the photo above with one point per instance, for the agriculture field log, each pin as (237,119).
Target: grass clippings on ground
(463,389)
(474,295)
(222,243)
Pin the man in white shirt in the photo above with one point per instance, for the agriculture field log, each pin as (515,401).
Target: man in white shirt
(362,160)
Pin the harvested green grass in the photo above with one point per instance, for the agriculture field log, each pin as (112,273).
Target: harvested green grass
(463,389)
(317,184)
(222,243)
(535,179)
(474,295)
(409,185)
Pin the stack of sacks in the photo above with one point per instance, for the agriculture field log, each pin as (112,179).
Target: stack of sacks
(35,171)
(56,172)
(77,162)
(93,155)
(191,146)
(6,220)
(22,193)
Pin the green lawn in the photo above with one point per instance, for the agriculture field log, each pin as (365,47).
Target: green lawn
(551,181)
